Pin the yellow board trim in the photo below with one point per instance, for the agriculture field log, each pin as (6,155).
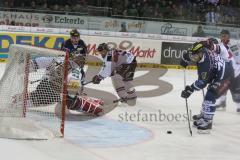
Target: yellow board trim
(140,65)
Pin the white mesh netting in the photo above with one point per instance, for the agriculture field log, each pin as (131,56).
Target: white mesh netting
(29,93)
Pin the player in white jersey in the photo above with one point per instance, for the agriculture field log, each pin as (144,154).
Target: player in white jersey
(48,91)
(225,39)
(120,66)
(227,55)
(235,50)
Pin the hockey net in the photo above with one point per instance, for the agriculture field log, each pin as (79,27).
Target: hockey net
(27,101)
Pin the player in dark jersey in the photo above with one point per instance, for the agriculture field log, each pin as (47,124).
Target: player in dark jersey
(77,49)
(213,72)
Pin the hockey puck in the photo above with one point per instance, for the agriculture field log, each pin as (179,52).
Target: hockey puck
(169,132)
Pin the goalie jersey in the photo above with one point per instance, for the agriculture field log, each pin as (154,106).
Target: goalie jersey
(54,72)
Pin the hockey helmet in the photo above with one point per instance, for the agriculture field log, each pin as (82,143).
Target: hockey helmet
(196,52)
(225,36)
(102,46)
(74,33)
(224,31)
(213,40)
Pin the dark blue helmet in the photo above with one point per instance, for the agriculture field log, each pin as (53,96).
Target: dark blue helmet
(74,33)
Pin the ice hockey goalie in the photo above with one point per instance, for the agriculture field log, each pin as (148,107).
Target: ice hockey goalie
(48,88)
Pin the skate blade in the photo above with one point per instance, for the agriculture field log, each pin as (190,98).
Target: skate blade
(208,131)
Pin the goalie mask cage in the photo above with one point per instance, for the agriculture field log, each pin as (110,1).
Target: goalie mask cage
(27,100)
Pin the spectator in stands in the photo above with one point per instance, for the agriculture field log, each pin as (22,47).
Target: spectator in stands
(212,17)
(132,11)
(199,33)
(12,23)
(33,5)
(56,7)
(6,4)
(67,8)
(123,27)
(44,6)
(209,11)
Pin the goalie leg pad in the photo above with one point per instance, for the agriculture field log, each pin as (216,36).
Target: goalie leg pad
(88,105)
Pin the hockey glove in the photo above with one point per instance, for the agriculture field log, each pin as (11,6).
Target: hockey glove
(187,92)
(185,60)
(96,79)
(183,63)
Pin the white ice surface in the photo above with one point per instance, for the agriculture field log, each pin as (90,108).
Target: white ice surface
(222,144)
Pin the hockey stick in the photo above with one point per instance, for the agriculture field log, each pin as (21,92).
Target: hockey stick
(188,118)
(203,93)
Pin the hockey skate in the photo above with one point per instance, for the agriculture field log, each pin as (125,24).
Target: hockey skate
(198,122)
(197,117)
(205,127)
(124,100)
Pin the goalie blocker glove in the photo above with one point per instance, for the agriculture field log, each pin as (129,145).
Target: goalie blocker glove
(187,92)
